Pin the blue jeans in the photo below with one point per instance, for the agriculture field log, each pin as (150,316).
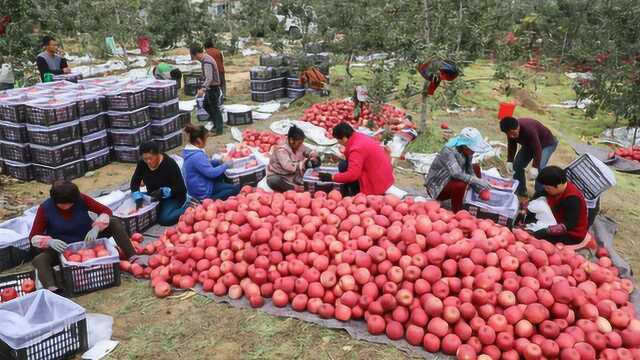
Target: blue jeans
(223,191)
(522,159)
(170,211)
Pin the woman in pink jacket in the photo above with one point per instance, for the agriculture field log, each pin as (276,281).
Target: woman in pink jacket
(368,162)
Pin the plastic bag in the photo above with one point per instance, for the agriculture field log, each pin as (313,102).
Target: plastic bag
(112,200)
(15,230)
(201,113)
(34,317)
(99,327)
(543,213)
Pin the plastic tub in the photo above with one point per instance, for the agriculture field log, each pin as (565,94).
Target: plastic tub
(129,119)
(49,174)
(95,142)
(13,132)
(163,110)
(54,135)
(93,123)
(141,220)
(130,137)
(19,152)
(506,109)
(51,112)
(238,114)
(258,96)
(98,159)
(160,91)
(165,126)
(127,99)
(240,175)
(56,155)
(126,154)
(261,85)
(295,93)
(95,274)
(18,170)
(294,83)
(170,141)
(591,176)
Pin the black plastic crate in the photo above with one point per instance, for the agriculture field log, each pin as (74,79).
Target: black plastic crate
(586,175)
(261,85)
(263,96)
(192,82)
(13,132)
(312,183)
(281,72)
(74,78)
(15,151)
(62,345)
(163,110)
(165,126)
(295,93)
(127,99)
(280,93)
(48,174)
(97,159)
(262,73)
(51,112)
(141,221)
(160,91)
(481,213)
(15,280)
(13,109)
(18,170)
(80,280)
(251,178)
(54,135)
(184,119)
(14,255)
(126,154)
(129,119)
(95,142)
(93,123)
(130,137)
(90,104)
(271,60)
(56,155)
(170,141)
(239,118)
(294,83)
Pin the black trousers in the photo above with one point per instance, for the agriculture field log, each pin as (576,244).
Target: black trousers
(350,189)
(212,102)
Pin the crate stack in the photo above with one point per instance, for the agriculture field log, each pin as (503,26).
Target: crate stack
(268,83)
(291,69)
(60,130)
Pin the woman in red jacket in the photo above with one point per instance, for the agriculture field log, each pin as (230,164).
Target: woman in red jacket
(368,162)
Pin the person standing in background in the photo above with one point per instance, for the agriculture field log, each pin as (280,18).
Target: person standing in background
(50,61)
(216,54)
(210,87)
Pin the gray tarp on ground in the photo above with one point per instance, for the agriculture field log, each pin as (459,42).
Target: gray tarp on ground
(603,228)
(618,163)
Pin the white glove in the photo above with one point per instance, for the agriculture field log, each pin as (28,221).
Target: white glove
(533,173)
(102,222)
(92,235)
(58,245)
(46,241)
(510,168)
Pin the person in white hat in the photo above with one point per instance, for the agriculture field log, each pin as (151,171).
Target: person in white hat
(452,170)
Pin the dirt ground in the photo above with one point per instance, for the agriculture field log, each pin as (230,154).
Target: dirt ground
(197,328)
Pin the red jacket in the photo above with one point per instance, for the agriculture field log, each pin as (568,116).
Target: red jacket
(369,164)
(575,218)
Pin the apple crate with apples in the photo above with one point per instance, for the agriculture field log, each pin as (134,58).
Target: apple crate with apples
(499,204)
(248,170)
(89,269)
(312,182)
(43,326)
(137,220)
(16,285)
(49,112)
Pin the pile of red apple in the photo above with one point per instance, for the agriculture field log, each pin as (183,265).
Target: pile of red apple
(329,114)
(10,293)
(263,140)
(413,270)
(86,254)
(631,153)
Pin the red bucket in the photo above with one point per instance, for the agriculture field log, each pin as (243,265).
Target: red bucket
(506,109)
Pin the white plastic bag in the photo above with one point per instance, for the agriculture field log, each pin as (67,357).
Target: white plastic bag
(99,327)
(15,231)
(543,213)
(112,200)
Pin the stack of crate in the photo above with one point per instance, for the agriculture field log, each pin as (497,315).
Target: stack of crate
(291,69)
(164,112)
(268,83)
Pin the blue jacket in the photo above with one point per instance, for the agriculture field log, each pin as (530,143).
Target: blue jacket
(200,173)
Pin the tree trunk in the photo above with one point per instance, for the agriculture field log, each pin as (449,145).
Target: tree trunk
(459,43)
(424,108)
(427,28)
(349,58)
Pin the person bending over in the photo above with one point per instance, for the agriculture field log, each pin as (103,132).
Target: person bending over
(288,162)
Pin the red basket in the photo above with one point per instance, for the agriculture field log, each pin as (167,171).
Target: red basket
(506,109)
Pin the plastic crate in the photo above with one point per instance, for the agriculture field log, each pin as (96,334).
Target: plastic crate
(192,82)
(312,182)
(49,174)
(13,109)
(20,152)
(281,72)
(96,274)
(56,155)
(93,123)
(261,97)
(16,252)
(502,207)
(163,110)
(54,135)
(88,104)
(239,175)
(238,115)
(590,175)
(140,221)
(95,142)
(262,73)
(97,159)
(160,91)
(13,132)
(18,170)
(295,93)
(58,85)
(74,78)
(294,83)
(126,154)
(271,60)
(261,85)
(165,126)
(280,93)
(129,119)
(184,119)
(170,141)
(15,280)
(51,112)
(130,137)
(127,99)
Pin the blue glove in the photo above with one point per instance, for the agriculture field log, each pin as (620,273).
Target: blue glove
(166,192)
(137,195)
